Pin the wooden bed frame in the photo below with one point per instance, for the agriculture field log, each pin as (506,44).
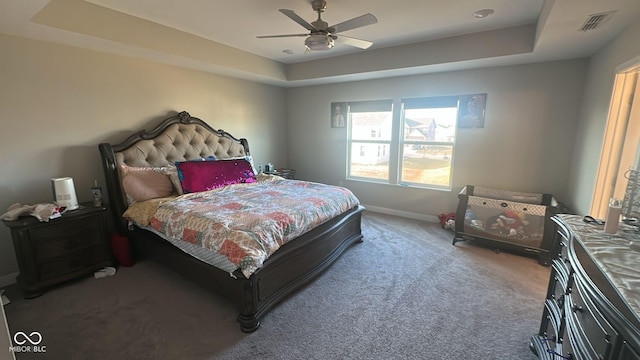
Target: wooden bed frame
(295,264)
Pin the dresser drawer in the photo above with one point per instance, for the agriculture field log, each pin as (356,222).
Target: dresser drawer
(563,237)
(554,315)
(597,335)
(543,347)
(564,255)
(628,353)
(69,264)
(574,341)
(58,239)
(54,245)
(557,294)
(561,277)
(553,343)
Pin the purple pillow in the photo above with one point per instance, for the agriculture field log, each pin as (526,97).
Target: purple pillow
(196,176)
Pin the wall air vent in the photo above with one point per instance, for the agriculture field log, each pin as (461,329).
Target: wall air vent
(595,21)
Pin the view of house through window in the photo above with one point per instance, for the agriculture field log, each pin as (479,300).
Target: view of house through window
(370,126)
(422,153)
(428,137)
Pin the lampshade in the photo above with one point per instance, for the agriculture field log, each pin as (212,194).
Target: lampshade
(64,193)
(631,201)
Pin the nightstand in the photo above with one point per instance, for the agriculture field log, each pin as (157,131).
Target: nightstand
(62,249)
(285,173)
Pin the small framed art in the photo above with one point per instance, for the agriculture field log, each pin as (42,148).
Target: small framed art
(338,114)
(471,113)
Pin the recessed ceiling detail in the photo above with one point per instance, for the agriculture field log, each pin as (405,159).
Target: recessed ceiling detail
(321,36)
(416,38)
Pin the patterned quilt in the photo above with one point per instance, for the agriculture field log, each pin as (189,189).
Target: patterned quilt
(246,223)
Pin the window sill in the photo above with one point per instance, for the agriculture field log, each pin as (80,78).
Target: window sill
(402,185)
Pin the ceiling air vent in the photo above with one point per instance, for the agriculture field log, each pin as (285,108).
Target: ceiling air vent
(595,21)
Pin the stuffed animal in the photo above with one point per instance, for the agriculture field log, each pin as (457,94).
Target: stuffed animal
(450,224)
(510,222)
(444,218)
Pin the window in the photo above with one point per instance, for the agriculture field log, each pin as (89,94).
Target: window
(427,141)
(412,147)
(370,125)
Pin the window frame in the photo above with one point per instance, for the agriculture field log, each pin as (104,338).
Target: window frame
(436,102)
(397,142)
(363,107)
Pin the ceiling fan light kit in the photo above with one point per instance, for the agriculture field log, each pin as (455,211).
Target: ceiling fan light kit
(321,36)
(318,42)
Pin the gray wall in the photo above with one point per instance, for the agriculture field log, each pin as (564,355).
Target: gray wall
(595,108)
(526,144)
(58,103)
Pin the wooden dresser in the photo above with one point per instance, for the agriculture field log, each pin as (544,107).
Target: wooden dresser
(592,308)
(62,249)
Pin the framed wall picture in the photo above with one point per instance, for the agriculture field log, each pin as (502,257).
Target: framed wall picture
(338,114)
(471,111)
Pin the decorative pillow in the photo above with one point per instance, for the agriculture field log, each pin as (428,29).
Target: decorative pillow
(144,183)
(142,212)
(196,176)
(249,158)
(172,173)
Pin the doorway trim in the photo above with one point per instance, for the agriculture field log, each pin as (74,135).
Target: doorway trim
(610,180)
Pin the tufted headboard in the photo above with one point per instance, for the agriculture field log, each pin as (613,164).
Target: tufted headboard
(178,138)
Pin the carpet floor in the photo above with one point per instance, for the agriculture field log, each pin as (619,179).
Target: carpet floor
(404,293)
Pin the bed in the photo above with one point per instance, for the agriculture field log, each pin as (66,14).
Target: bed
(298,261)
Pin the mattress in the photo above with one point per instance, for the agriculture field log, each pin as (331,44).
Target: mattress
(239,226)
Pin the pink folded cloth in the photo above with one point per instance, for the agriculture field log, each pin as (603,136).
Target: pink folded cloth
(41,212)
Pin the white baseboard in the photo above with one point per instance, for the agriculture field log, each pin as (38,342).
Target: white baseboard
(9,279)
(405,214)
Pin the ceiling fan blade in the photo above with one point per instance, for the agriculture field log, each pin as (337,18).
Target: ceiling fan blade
(293,16)
(280,36)
(362,44)
(360,21)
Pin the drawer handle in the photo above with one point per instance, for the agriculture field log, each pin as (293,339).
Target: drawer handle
(577,308)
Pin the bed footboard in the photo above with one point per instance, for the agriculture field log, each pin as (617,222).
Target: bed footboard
(293,266)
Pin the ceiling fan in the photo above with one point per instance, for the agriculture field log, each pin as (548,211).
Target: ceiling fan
(321,36)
